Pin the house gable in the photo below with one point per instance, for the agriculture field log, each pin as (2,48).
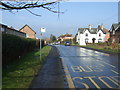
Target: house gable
(26,29)
(30,33)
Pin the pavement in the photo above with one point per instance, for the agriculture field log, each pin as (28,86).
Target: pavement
(85,68)
(51,74)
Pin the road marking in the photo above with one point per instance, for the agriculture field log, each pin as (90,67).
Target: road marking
(115,72)
(69,79)
(100,78)
(90,78)
(113,81)
(76,69)
(109,64)
(102,65)
(114,78)
(84,69)
(81,82)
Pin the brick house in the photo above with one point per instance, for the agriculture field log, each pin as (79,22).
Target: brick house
(65,37)
(9,30)
(115,33)
(30,33)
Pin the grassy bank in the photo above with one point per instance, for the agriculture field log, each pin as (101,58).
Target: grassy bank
(21,73)
(105,47)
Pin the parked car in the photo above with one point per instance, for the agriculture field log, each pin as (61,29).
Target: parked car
(67,43)
(56,43)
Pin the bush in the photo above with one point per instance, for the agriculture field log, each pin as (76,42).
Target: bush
(14,46)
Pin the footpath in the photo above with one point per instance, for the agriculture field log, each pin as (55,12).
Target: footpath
(51,74)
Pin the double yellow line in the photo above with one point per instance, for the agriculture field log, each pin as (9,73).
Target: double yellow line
(69,79)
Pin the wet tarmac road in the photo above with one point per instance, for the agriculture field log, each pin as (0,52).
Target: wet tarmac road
(85,68)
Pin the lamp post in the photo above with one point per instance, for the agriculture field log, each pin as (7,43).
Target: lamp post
(41,30)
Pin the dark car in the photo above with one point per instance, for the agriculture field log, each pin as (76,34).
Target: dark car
(67,43)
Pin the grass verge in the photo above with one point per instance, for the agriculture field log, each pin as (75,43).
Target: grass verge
(21,73)
(104,48)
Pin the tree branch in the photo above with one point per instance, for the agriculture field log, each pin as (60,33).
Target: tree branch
(29,5)
(8,7)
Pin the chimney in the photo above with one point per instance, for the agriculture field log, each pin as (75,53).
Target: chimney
(89,26)
(102,27)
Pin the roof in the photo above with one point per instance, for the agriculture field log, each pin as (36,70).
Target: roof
(9,28)
(104,29)
(92,30)
(65,35)
(116,26)
(29,27)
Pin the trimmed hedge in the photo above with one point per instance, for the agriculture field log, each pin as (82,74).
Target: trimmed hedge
(13,47)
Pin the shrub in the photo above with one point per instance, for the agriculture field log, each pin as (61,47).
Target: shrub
(14,46)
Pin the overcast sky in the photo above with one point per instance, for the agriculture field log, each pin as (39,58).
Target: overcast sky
(77,15)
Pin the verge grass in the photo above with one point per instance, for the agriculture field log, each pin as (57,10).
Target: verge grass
(21,73)
(110,48)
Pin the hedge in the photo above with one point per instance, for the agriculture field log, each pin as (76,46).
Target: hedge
(13,47)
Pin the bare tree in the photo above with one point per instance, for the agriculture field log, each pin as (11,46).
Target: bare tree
(28,5)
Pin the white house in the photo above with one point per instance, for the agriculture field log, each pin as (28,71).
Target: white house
(91,35)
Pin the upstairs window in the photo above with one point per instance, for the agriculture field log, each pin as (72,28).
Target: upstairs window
(86,35)
(99,34)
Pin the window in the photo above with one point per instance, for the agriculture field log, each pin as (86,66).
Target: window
(86,34)
(99,34)
(99,40)
(86,40)
(3,29)
(27,35)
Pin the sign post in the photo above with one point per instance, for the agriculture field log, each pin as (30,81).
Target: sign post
(41,30)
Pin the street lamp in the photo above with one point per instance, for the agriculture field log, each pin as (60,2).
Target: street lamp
(41,30)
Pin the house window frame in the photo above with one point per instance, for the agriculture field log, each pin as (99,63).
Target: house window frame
(99,34)
(99,40)
(86,40)
(86,34)
(3,29)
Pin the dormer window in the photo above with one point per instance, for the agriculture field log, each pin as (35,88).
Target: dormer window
(99,34)
(86,34)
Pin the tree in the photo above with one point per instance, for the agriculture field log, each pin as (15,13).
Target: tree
(28,5)
(53,38)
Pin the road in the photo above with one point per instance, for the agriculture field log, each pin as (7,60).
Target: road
(85,68)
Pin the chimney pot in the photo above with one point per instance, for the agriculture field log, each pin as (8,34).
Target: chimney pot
(89,26)
(102,27)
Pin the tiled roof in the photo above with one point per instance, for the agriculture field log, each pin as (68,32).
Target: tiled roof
(65,35)
(115,26)
(92,30)
(29,27)
(104,29)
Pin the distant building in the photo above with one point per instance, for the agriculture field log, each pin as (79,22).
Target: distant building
(92,35)
(65,37)
(10,30)
(115,33)
(30,33)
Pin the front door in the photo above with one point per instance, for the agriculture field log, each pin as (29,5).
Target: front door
(93,40)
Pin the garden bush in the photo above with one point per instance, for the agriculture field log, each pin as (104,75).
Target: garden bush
(13,47)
